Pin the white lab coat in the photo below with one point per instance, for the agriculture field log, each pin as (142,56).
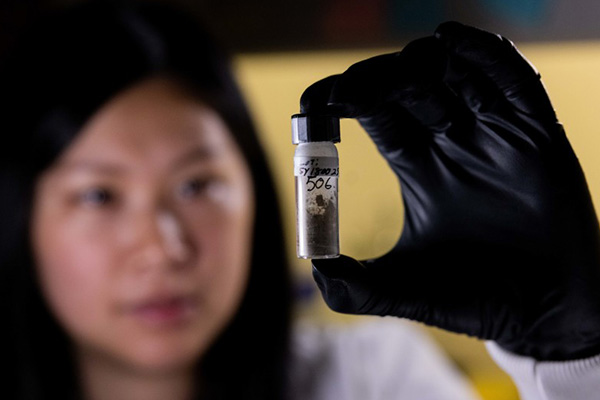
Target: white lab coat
(383,359)
(392,359)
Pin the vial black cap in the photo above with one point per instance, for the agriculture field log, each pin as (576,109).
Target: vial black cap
(315,128)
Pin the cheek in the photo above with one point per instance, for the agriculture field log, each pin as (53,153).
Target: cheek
(71,274)
(226,250)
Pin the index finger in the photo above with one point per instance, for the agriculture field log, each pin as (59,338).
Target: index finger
(498,59)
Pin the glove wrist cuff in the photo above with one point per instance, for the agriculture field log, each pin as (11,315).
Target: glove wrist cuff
(576,379)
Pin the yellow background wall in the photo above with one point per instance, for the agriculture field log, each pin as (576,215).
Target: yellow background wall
(370,207)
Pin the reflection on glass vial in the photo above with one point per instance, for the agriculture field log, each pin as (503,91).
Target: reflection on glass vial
(316,170)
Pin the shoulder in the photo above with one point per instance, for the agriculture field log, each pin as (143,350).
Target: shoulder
(375,358)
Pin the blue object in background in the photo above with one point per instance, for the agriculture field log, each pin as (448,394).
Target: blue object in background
(410,17)
(407,16)
(517,11)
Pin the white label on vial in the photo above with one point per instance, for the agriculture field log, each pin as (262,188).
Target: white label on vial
(316,189)
(316,166)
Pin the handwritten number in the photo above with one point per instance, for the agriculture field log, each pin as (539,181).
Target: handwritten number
(317,184)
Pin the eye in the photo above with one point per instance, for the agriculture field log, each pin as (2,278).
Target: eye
(96,197)
(194,187)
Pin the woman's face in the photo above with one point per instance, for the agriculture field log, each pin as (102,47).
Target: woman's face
(142,230)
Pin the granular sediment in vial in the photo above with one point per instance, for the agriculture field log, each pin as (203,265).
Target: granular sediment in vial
(321,223)
(317,205)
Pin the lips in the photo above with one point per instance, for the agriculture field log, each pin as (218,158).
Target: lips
(164,311)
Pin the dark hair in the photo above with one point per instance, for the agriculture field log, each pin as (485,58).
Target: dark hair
(59,74)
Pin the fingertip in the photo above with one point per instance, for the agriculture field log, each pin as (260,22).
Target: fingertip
(315,98)
(340,283)
(336,272)
(335,267)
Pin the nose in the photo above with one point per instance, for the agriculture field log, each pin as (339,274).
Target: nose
(173,238)
(162,241)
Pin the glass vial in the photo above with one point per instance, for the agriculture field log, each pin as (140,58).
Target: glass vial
(316,171)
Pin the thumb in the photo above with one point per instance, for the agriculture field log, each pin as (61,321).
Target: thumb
(347,286)
(398,284)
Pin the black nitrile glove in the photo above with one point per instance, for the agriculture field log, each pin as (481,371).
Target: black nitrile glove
(500,237)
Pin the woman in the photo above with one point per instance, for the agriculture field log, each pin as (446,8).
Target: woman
(142,252)
(59,81)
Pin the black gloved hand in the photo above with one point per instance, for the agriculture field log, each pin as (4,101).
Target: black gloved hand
(500,237)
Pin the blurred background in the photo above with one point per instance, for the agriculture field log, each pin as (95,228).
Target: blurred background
(280,47)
